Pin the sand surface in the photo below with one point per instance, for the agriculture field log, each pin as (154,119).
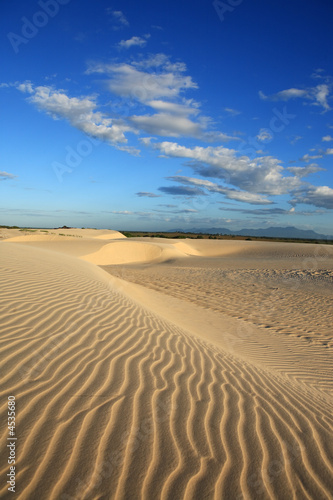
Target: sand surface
(166,369)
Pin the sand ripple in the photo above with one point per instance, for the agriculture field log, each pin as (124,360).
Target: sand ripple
(114,402)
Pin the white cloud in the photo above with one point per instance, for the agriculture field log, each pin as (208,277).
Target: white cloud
(79,111)
(262,175)
(5,176)
(155,61)
(232,112)
(308,157)
(305,171)
(128,81)
(162,61)
(327,138)
(129,149)
(167,125)
(264,135)
(271,212)
(134,41)
(122,212)
(146,140)
(321,93)
(295,139)
(147,194)
(118,18)
(189,107)
(182,190)
(158,83)
(174,125)
(318,94)
(231,194)
(319,196)
(178,211)
(26,87)
(284,95)
(320,154)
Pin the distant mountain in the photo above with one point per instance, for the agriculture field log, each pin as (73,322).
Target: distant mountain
(270,232)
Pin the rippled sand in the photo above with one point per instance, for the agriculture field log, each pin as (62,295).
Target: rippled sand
(154,369)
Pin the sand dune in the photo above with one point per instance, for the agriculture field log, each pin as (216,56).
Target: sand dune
(58,234)
(173,390)
(124,252)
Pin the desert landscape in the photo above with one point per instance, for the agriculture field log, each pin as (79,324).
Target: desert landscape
(145,368)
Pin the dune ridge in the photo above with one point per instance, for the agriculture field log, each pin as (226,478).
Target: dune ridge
(115,401)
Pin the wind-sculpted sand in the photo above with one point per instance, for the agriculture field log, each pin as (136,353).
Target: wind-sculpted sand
(179,370)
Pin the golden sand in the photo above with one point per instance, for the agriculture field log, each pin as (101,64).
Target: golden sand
(166,369)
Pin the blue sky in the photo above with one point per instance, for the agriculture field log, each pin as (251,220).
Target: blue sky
(161,115)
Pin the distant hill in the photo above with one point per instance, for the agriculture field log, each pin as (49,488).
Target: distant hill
(270,232)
